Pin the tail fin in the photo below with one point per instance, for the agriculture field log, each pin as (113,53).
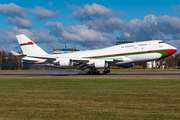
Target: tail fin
(29,47)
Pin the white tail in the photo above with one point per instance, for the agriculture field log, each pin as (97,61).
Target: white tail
(29,47)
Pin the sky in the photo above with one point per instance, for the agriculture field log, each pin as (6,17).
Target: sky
(87,24)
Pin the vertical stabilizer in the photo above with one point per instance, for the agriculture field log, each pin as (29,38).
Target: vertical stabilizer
(29,47)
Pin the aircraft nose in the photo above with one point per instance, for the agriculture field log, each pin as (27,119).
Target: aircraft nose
(171,51)
(174,50)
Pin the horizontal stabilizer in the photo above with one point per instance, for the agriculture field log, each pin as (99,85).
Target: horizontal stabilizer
(17,54)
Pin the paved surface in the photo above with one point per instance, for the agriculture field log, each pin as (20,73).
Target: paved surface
(130,74)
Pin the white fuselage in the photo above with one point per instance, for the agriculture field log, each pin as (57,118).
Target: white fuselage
(122,54)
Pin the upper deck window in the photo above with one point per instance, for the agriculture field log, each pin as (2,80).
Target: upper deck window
(161,42)
(142,44)
(129,46)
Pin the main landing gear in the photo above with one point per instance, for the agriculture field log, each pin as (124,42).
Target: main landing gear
(106,71)
(93,71)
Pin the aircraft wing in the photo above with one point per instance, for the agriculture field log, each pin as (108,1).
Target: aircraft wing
(79,63)
(52,57)
(81,60)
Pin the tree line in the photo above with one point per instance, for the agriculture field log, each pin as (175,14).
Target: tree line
(8,61)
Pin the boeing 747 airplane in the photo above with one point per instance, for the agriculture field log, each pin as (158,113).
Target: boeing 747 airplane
(123,54)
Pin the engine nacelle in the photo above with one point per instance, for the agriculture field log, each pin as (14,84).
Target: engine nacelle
(66,63)
(101,64)
(127,65)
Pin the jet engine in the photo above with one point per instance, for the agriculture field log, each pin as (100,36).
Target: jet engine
(101,64)
(127,65)
(66,63)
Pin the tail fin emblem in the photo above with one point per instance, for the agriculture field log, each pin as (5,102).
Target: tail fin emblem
(29,43)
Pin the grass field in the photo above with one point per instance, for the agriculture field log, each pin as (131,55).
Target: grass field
(90,97)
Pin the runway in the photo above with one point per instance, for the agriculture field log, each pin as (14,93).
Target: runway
(110,74)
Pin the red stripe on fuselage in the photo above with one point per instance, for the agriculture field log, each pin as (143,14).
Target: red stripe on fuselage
(39,63)
(168,52)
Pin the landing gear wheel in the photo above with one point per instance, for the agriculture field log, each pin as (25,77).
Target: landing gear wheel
(94,72)
(104,72)
(108,71)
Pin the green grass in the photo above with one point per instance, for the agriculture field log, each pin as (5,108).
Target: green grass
(90,97)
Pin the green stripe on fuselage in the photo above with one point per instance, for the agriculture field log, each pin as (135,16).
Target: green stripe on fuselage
(163,53)
(41,63)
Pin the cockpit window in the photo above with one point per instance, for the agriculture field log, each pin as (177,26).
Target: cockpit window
(161,42)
